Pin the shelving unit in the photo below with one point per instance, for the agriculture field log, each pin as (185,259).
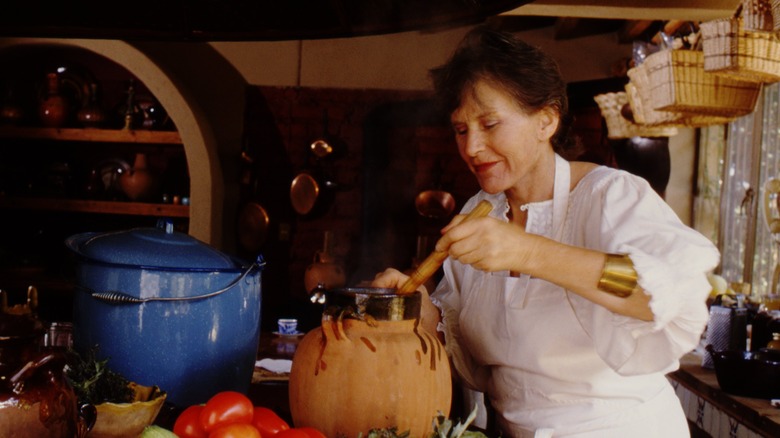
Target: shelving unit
(57,182)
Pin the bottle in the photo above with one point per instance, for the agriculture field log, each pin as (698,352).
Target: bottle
(53,110)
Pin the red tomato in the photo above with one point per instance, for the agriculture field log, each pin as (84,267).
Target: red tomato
(312,432)
(235,430)
(268,422)
(292,433)
(187,424)
(224,408)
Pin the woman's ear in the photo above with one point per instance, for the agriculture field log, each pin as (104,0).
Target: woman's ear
(548,123)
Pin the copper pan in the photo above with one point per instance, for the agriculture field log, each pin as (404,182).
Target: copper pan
(434,204)
(253,223)
(310,193)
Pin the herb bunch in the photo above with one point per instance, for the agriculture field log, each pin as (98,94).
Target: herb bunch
(93,381)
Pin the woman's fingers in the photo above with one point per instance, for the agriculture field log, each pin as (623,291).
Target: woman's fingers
(389,278)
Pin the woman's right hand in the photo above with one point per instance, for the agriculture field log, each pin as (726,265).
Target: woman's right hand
(429,313)
(389,278)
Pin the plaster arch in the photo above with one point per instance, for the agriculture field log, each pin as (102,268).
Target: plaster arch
(210,207)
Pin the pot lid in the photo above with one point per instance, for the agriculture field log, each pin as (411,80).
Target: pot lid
(160,247)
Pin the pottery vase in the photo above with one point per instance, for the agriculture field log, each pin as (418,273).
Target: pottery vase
(12,112)
(53,109)
(370,365)
(92,115)
(139,183)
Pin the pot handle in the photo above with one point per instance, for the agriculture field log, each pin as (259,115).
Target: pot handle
(116,297)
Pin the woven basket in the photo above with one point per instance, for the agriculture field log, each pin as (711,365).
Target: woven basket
(731,50)
(679,83)
(758,14)
(639,98)
(776,14)
(611,106)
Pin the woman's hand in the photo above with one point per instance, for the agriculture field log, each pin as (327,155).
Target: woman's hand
(429,313)
(488,244)
(389,278)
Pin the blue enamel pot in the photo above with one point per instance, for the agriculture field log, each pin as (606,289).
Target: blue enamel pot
(168,310)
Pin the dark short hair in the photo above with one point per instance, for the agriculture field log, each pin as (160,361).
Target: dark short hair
(527,73)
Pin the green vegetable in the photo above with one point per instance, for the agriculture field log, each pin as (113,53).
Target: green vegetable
(93,381)
(154,431)
(442,428)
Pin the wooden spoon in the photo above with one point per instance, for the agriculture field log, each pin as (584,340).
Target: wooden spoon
(431,263)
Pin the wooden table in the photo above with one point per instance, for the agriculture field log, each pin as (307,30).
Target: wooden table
(719,414)
(268,389)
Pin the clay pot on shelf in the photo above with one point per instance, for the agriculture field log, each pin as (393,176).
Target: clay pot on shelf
(92,115)
(372,359)
(140,182)
(53,109)
(12,112)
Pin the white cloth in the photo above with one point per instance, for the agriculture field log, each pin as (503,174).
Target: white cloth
(549,359)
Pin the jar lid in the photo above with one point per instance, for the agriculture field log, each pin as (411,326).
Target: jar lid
(151,247)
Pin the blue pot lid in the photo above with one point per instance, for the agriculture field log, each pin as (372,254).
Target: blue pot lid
(152,247)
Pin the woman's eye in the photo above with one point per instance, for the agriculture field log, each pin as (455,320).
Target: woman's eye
(490,124)
(460,130)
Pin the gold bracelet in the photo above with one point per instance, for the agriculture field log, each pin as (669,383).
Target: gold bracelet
(618,276)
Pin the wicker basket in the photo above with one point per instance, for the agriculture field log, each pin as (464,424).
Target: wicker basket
(758,14)
(639,97)
(611,106)
(679,83)
(640,100)
(731,50)
(776,14)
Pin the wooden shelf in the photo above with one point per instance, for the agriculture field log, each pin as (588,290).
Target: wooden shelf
(92,135)
(91,206)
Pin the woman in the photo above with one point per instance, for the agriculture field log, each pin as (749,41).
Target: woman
(582,289)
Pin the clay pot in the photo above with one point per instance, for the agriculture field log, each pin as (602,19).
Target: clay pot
(53,110)
(369,365)
(36,400)
(325,271)
(139,183)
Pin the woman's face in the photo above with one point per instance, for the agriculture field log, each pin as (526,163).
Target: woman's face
(498,140)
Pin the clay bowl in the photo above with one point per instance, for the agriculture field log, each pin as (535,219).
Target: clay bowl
(117,420)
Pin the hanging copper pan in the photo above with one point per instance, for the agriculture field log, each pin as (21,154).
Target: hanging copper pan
(310,193)
(253,223)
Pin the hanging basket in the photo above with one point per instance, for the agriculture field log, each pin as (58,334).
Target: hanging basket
(678,82)
(758,14)
(641,102)
(776,14)
(731,50)
(611,106)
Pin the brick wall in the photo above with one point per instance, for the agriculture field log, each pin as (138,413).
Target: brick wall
(390,146)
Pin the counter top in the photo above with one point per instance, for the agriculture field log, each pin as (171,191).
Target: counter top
(717,412)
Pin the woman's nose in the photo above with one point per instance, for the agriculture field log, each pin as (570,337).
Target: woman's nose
(473,143)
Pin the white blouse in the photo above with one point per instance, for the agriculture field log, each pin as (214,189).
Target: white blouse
(548,358)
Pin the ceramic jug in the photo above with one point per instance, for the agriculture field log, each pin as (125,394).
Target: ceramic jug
(36,400)
(370,365)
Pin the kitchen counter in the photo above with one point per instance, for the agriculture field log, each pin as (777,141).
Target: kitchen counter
(716,412)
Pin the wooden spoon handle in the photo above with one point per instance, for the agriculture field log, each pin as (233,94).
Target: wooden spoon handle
(431,263)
